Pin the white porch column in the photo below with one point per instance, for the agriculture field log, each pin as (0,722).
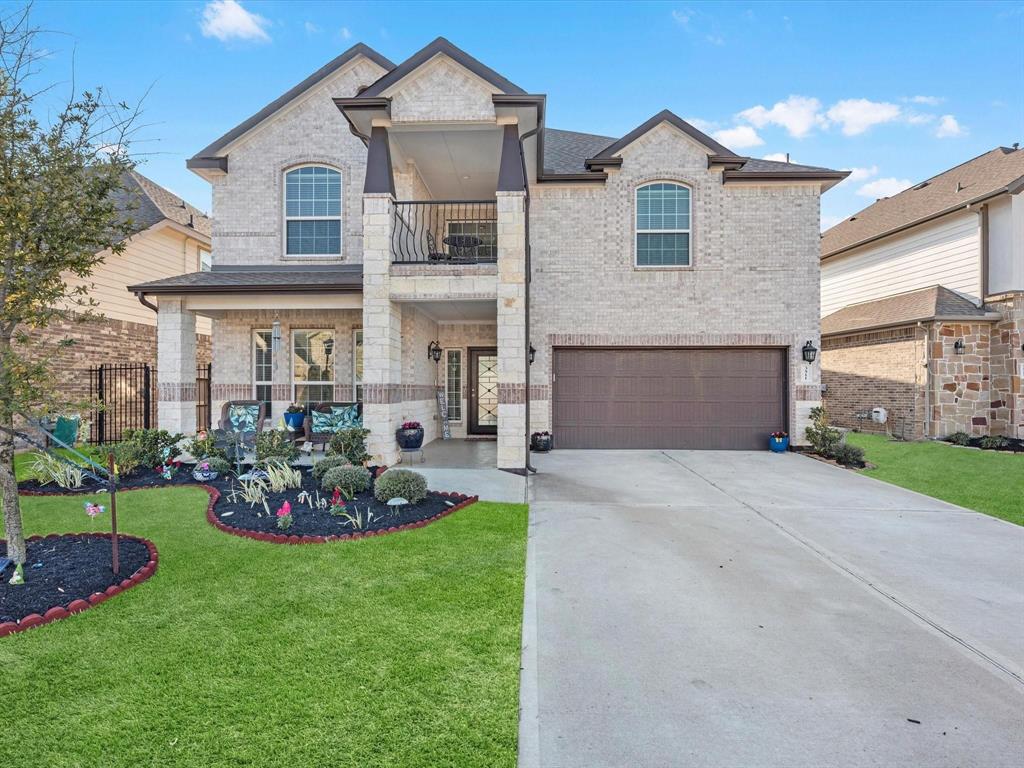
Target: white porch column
(512,340)
(382,332)
(176,367)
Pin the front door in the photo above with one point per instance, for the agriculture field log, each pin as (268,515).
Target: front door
(483,391)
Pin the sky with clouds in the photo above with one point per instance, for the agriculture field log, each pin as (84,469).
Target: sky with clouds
(893,92)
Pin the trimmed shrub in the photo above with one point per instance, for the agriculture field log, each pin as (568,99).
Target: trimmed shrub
(326,463)
(350,480)
(218,464)
(152,445)
(825,440)
(205,449)
(128,457)
(350,443)
(400,483)
(276,443)
(994,442)
(959,438)
(850,455)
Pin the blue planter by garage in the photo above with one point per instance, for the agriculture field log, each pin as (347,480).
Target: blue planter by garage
(294,420)
(778,444)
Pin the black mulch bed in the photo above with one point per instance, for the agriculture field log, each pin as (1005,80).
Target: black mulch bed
(320,522)
(1012,444)
(143,478)
(72,567)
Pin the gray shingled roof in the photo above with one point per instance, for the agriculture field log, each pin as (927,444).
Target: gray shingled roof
(565,151)
(756,165)
(984,176)
(347,277)
(147,203)
(903,309)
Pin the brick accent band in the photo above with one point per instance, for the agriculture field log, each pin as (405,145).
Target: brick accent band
(177,392)
(671,340)
(390,394)
(807,392)
(231,391)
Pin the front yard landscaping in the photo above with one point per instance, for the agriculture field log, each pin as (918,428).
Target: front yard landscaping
(985,481)
(398,650)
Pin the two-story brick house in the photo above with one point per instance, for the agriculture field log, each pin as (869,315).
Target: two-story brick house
(651,291)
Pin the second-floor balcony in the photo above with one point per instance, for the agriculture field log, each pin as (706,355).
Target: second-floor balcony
(445,232)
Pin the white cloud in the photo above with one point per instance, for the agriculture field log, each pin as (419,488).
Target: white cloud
(311,28)
(228,20)
(949,128)
(777,156)
(884,187)
(857,115)
(683,17)
(346,33)
(931,101)
(798,115)
(918,118)
(740,137)
(859,174)
(707,126)
(828,221)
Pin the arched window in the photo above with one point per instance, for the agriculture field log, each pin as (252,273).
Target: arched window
(312,211)
(663,225)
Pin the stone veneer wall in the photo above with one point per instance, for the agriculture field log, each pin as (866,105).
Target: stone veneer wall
(1006,414)
(959,384)
(754,277)
(882,368)
(419,373)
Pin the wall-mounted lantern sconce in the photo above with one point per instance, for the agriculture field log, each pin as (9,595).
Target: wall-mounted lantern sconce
(958,346)
(275,337)
(810,352)
(328,347)
(533,354)
(434,352)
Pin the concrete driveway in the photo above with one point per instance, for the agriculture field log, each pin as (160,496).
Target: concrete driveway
(690,608)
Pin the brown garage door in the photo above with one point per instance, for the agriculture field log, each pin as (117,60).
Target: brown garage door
(668,398)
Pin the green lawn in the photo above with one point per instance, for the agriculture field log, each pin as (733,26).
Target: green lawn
(397,651)
(986,481)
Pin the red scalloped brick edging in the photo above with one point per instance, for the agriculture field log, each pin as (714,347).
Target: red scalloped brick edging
(77,606)
(283,538)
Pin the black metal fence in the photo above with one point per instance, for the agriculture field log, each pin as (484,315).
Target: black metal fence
(203,375)
(443,232)
(124,392)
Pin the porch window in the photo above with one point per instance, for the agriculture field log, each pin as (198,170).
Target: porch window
(262,367)
(312,366)
(453,383)
(487,231)
(357,364)
(312,211)
(663,225)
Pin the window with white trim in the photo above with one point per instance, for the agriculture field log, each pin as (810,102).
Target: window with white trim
(486,231)
(663,225)
(453,383)
(205,260)
(263,367)
(357,364)
(312,211)
(312,366)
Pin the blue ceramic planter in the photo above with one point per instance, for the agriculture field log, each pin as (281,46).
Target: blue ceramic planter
(294,420)
(778,444)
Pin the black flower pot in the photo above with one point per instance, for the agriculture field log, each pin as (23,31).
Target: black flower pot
(540,443)
(409,439)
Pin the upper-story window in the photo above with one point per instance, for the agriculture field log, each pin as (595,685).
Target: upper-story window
(663,225)
(205,260)
(312,211)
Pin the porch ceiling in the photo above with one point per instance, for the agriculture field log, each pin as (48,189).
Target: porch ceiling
(460,311)
(456,163)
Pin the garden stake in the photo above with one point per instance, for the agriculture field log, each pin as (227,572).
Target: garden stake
(113,516)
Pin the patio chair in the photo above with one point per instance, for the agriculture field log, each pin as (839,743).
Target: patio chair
(433,254)
(324,419)
(242,416)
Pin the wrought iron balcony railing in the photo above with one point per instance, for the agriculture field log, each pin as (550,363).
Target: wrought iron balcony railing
(445,232)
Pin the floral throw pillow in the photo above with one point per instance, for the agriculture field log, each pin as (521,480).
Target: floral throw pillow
(347,417)
(243,417)
(323,422)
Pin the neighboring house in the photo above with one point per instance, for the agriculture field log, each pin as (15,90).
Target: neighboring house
(923,301)
(169,237)
(649,291)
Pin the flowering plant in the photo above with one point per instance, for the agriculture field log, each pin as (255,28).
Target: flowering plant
(284,516)
(541,434)
(168,469)
(412,425)
(779,435)
(92,510)
(337,503)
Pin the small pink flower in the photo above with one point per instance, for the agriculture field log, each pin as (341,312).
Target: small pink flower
(285,510)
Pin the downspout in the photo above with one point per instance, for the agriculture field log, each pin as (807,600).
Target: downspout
(146,302)
(526,291)
(983,234)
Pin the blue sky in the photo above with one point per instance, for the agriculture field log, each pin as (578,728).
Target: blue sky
(898,92)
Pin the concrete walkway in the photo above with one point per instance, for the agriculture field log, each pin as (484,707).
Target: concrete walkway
(747,609)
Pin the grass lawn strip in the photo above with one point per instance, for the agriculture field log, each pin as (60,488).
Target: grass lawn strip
(985,481)
(398,650)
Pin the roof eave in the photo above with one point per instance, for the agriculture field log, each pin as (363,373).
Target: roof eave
(987,317)
(159,290)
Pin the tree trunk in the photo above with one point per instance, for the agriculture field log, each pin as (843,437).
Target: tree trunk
(9,488)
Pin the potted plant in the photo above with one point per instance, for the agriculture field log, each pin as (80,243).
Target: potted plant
(410,436)
(541,442)
(294,415)
(778,442)
(204,471)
